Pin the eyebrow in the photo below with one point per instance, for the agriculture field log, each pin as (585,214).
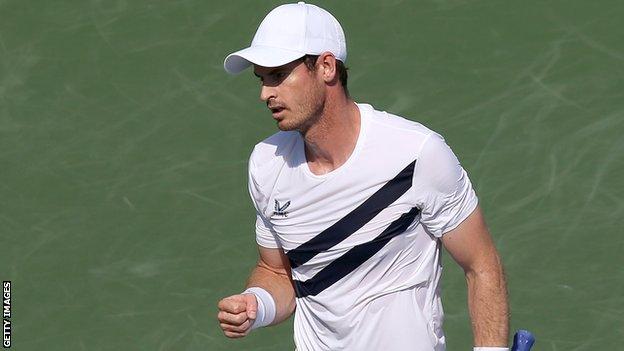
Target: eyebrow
(270,72)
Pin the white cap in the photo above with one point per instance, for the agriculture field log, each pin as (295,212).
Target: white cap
(290,32)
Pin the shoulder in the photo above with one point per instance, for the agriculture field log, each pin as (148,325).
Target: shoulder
(388,120)
(266,161)
(278,147)
(271,155)
(437,166)
(397,131)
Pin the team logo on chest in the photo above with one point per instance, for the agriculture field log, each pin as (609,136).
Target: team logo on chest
(281,210)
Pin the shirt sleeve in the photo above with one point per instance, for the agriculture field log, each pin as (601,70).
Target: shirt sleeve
(442,187)
(265,235)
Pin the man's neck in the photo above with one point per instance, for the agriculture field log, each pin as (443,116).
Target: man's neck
(332,138)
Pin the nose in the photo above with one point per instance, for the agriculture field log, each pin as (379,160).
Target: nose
(267,93)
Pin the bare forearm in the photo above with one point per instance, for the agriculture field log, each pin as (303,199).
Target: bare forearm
(279,285)
(489,310)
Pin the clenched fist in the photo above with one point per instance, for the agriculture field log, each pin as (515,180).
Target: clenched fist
(237,314)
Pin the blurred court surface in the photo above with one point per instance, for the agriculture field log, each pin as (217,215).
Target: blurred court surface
(124,214)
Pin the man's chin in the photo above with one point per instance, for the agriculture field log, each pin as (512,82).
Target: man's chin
(285,127)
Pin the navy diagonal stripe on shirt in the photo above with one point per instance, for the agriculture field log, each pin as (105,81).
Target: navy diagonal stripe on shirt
(355,220)
(353,258)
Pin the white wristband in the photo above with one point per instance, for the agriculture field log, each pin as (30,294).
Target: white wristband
(490,349)
(266,307)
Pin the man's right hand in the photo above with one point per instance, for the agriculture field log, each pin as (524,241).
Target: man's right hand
(237,314)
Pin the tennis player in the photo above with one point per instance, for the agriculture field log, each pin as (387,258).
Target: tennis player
(353,206)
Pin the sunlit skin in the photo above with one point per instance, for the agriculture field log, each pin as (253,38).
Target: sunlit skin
(314,103)
(293,94)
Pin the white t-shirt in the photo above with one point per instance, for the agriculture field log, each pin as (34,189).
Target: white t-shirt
(362,240)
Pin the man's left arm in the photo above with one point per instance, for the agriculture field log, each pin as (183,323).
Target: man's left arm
(471,246)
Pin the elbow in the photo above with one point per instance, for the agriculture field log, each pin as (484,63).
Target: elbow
(491,269)
(291,307)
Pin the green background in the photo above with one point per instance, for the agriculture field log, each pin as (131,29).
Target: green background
(124,214)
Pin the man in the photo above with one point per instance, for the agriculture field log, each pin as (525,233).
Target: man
(353,205)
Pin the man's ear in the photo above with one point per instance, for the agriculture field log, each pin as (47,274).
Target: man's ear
(327,66)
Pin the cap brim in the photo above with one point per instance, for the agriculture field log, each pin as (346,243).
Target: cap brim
(259,55)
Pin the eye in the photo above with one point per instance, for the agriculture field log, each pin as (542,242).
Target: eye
(280,75)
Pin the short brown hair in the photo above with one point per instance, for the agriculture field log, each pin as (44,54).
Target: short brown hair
(310,62)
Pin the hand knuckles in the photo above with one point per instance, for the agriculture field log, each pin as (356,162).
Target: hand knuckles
(230,328)
(223,304)
(232,319)
(229,302)
(243,328)
(233,308)
(240,319)
(246,325)
(239,308)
